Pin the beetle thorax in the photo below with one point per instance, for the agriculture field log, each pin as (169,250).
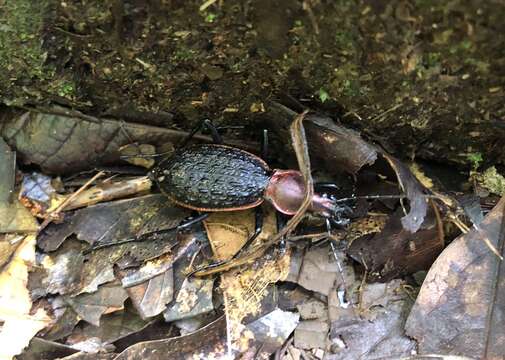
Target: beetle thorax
(286,191)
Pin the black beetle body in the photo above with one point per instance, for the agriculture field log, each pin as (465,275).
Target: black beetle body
(213,177)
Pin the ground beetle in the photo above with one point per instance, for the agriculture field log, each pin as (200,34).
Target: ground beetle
(217,177)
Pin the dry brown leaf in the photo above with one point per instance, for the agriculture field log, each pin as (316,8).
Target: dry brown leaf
(459,310)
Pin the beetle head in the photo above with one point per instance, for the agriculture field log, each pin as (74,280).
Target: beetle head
(286,191)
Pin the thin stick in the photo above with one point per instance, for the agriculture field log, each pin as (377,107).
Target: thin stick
(68,200)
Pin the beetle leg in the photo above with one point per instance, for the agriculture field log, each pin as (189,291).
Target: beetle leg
(258,226)
(216,138)
(190,222)
(281,222)
(321,186)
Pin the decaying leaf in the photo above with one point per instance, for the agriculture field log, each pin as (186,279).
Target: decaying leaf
(19,322)
(320,271)
(379,331)
(395,251)
(269,333)
(38,193)
(68,141)
(194,298)
(109,222)
(45,349)
(206,343)
(65,271)
(459,310)
(343,148)
(7,172)
(136,154)
(152,296)
(14,217)
(90,307)
(112,328)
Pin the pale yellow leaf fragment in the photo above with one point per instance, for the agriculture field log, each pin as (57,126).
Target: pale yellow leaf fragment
(19,326)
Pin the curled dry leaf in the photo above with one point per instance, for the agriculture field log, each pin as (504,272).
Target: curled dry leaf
(459,310)
(341,147)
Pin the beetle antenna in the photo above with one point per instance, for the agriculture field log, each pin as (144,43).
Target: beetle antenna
(378,197)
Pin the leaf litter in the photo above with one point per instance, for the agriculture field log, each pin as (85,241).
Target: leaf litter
(310,300)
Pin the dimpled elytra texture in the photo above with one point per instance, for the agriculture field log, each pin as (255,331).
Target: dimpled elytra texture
(214,177)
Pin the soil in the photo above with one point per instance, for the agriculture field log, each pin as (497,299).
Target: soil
(423,78)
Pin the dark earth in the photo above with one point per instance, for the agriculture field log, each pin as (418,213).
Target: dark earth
(422,78)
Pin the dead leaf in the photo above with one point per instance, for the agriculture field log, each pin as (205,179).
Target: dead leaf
(378,332)
(206,343)
(414,191)
(38,193)
(312,334)
(90,307)
(67,141)
(151,297)
(194,298)
(320,271)
(112,328)
(7,172)
(14,217)
(459,309)
(65,320)
(65,271)
(45,349)
(394,251)
(109,222)
(270,332)
(343,148)
(136,154)
(19,323)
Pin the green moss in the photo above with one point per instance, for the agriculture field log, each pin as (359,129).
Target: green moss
(66,89)
(22,57)
(492,181)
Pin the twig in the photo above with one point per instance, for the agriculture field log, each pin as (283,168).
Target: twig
(62,206)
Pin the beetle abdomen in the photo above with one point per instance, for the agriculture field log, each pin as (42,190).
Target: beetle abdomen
(214,178)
